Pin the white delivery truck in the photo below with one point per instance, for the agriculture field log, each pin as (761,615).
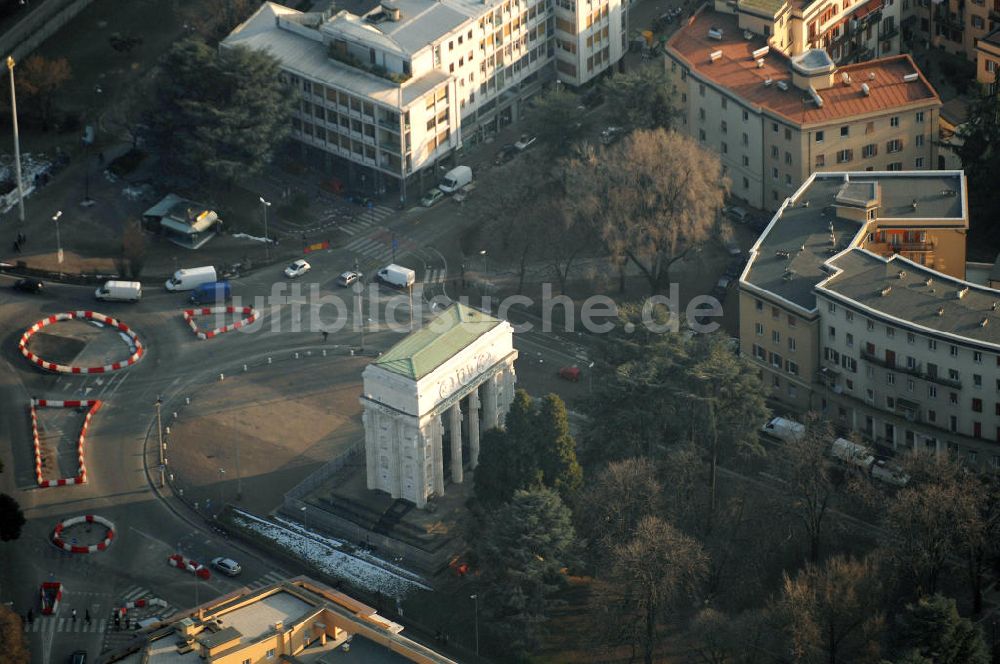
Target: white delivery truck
(119,291)
(189,279)
(852,454)
(396,276)
(784,429)
(455,179)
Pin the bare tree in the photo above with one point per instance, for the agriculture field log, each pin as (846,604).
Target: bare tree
(650,574)
(39,80)
(832,612)
(652,198)
(133,249)
(809,482)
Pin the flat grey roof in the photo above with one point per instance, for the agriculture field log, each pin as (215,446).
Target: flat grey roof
(934,306)
(788,259)
(258,618)
(309,57)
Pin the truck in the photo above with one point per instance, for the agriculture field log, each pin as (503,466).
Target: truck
(213,291)
(455,179)
(396,276)
(859,456)
(784,429)
(119,291)
(191,278)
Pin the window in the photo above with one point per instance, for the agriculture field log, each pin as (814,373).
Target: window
(931,416)
(759,328)
(701,114)
(844,156)
(890,378)
(774,173)
(890,332)
(774,127)
(793,368)
(775,312)
(977,381)
(820,161)
(869,151)
(776,336)
(870,324)
(776,361)
(701,135)
(953,351)
(725,148)
(931,344)
(953,424)
(850,340)
(725,127)
(977,405)
(845,131)
(270,651)
(819,137)
(746,116)
(977,357)
(953,374)
(920,116)
(758,305)
(791,344)
(774,151)
(953,398)
(870,128)
(849,315)
(919,141)
(894,121)
(832,332)
(746,160)
(894,166)
(918,162)
(895,145)
(909,384)
(831,307)
(911,362)
(932,391)
(791,321)
(725,103)
(746,139)
(788,134)
(701,89)
(746,182)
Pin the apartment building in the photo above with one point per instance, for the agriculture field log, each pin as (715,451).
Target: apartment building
(388,94)
(775,120)
(297,620)
(849,30)
(954,26)
(854,304)
(988,60)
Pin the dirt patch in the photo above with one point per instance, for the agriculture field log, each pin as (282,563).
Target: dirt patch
(58,432)
(285,422)
(55,347)
(78,343)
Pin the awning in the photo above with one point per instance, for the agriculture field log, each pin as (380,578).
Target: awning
(873,6)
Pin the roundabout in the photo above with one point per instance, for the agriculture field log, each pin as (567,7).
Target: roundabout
(58,535)
(135,345)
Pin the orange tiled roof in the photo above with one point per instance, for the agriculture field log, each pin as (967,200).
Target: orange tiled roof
(737,71)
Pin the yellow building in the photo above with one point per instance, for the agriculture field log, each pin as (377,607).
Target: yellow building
(776,120)
(988,59)
(299,620)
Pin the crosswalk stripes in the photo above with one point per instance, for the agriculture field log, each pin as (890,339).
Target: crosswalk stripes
(53,624)
(133,593)
(266,580)
(370,248)
(435,276)
(365,219)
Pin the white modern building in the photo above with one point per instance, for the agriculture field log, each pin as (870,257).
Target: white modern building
(393,92)
(449,381)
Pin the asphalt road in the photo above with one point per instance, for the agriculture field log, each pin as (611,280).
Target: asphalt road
(121,454)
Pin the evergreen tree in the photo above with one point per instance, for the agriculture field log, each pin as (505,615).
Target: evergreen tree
(521,550)
(642,99)
(932,629)
(980,155)
(498,474)
(557,448)
(11,518)
(219,115)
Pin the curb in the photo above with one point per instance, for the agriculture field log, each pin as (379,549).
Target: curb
(89,518)
(81,478)
(87,315)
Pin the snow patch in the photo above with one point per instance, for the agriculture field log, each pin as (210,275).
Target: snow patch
(255,238)
(324,553)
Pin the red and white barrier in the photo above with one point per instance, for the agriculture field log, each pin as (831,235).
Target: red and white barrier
(199,570)
(140,604)
(51,594)
(81,476)
(87,315)
(58,540)
(249,316)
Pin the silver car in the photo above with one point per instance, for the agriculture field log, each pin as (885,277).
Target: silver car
(227,566)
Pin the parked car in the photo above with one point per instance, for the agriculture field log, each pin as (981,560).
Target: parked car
(735,267)
(432,198)
(297,269)
(611,134)
(526,141)
(505,154)
(348,278)
(29,285)
(733,249)
(358,198)
(736,213)
(227,566)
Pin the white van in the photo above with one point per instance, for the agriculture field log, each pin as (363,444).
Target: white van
(396,276)
(190,279)
(852,453)
(455,179)
(784,429)
(119,291)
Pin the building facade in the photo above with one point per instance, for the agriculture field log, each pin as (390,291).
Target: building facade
(447,382)
(394,91)
(988,59)
(775,120)
(854,304)
(953,26)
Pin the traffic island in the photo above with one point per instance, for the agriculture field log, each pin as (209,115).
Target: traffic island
(60,534)
(126,333)
(190,316)
(92,407)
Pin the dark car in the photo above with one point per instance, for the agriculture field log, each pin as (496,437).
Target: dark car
(29,285)
(78,657)
(505,154)
(358,198)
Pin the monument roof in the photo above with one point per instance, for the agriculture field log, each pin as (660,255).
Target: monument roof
(423,351)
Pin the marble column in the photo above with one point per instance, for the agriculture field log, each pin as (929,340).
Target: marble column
(438,456)
(474,428)
(490,403)
(455,424)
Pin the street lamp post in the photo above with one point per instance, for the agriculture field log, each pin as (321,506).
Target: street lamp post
(305,517)
(267,238)
(159,437)
(222,473)
(17,145)
(475,599)
(59,251)
(590,377)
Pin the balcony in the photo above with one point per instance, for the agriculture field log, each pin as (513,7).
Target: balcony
(889,33)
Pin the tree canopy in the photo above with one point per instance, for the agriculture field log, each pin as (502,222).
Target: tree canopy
(980,154)
(557,121)
(11,518)
(220,115)
(932,629)
(641,99)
